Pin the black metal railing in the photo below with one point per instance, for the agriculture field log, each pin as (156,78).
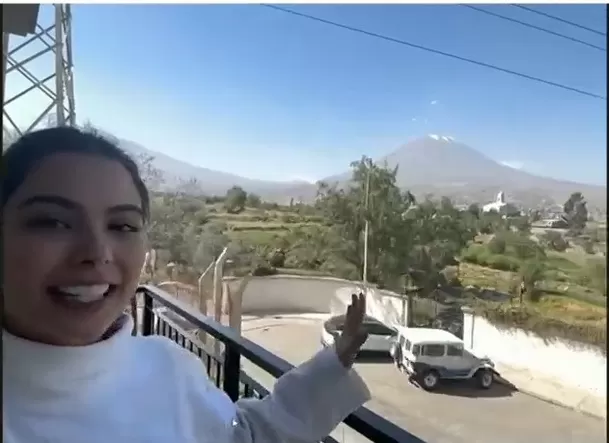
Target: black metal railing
(164,315)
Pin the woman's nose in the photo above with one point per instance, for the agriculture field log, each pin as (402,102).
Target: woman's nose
(94,247)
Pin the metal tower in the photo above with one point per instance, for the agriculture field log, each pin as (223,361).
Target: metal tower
(37,69)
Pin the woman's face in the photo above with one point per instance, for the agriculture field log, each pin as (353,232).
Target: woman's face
(73,249)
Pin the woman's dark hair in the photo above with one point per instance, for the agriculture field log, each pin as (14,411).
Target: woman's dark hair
(28,151)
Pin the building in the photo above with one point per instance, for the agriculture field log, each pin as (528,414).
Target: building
(500,206)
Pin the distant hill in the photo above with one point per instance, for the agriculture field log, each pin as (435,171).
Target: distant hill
(429,165)
(211,182)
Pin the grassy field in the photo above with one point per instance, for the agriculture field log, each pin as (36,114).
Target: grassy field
(568,307)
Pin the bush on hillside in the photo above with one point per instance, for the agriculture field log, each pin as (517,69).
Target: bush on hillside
(480,255)
(554,241)
(523,247)
(277,258)
(532,272)
(263,270)
(497,245)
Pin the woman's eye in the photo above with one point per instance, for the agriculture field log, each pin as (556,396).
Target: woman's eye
(47,223)
(124,227)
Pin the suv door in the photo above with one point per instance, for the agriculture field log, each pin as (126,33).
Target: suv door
(434,355)
(457,363)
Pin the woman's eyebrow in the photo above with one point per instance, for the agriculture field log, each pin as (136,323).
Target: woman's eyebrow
(70,204)
(49,199)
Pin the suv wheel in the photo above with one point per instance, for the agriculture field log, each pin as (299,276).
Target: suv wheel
(429,380)
(485,378)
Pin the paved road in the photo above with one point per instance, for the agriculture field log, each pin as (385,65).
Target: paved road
(455,414)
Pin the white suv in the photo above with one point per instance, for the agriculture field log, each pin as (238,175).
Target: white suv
(430,355)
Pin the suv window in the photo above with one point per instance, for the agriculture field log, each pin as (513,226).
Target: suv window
(433,350)
(416,350)
(378,329)
(407,345)
(454,351)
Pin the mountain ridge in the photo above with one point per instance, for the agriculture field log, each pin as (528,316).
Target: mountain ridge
(427,165)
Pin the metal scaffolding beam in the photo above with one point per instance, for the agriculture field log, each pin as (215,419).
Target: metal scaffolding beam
(41,64)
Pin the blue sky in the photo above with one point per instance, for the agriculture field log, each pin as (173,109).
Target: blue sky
(260,93)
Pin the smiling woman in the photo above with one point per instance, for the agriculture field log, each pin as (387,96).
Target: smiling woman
(75,213)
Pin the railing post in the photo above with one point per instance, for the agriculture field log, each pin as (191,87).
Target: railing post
(148,316)
(231,372)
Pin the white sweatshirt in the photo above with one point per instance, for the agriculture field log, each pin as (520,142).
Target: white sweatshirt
(129,389)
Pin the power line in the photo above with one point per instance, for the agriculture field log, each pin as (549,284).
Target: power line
(436,51)
(538,28)
(553,17)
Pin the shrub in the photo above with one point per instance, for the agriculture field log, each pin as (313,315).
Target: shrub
(263,270)
(497,245)
(523,247)
(480,255)
(288,218)
(555,241)
(502,263)
(532,272)
(451,276)
(277,259)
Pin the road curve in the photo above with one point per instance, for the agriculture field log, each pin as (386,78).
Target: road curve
(455,414)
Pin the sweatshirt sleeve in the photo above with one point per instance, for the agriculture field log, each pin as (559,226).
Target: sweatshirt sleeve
(305,405)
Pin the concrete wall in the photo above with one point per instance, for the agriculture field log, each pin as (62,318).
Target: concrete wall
(288,293)
(305,294)
(575,365)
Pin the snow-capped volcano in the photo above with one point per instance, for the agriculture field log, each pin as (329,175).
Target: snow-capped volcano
(445,138)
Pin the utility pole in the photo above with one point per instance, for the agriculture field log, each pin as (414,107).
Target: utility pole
(366,227)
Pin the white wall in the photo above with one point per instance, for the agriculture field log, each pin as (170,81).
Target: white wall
(305,294)
(288,293)
(387,306)
(573,364)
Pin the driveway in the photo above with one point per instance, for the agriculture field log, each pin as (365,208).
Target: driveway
(454,414)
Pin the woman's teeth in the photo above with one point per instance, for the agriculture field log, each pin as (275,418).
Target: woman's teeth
(85,294)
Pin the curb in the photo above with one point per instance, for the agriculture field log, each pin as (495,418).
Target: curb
(550,400)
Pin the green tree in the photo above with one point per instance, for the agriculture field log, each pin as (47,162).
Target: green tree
(474,209)
(372,195)
(235,200)
(253,200)
(405,238)
(576,212)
